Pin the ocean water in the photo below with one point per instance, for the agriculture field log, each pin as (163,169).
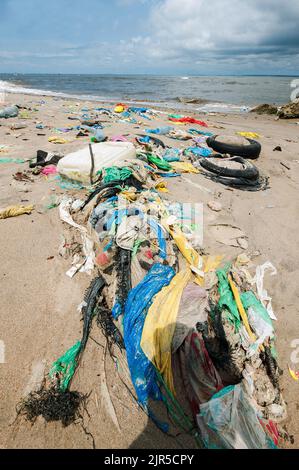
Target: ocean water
(220,94)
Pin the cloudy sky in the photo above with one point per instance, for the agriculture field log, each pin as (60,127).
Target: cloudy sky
(150,36)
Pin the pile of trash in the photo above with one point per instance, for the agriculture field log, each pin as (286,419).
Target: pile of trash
(180,319)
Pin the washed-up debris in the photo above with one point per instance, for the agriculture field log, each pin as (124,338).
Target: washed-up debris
(22,176)
(171,314)
(285,165)
(9,112)
(49,170)
(293,374)
(15,211)
(188,120)
(44,158)
(235,146)
(249,135)
(52,405)
(17,127)
(289,111)
(57,140)
(265,109)
(4,148)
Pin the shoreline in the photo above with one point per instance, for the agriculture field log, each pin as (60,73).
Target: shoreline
(161,106)
(184,103)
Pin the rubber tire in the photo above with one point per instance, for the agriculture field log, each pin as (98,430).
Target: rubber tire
(249,172)
(239,183)
(251,151)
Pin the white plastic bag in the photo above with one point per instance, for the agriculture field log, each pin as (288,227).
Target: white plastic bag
(77,165)
(262,293)
(230,421)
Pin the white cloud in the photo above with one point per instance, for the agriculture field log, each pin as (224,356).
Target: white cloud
(193,30)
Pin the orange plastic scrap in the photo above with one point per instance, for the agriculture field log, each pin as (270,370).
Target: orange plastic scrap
(241,309)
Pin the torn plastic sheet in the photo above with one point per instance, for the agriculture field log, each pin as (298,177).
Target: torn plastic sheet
(259,320)
(143,372)
(87,244)
(262,293)
(230,421)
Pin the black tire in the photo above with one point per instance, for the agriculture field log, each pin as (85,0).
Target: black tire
(249,171)
(261,183)
(251,151)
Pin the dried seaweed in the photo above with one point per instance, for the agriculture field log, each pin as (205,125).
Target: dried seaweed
(105,322)
(124,283)
(52,405)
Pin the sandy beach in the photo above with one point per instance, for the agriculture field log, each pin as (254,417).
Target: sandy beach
(38,313)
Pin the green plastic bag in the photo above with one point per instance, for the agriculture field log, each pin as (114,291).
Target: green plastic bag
(66,366)
(115,173)
(160,163)
(249,300)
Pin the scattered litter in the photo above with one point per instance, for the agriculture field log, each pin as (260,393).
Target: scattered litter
(171,314)
(49,170)
(21,176)
(4,148)
(285,165)
(293,374)
(249,135)
(15,211)
(9,112)
(57,140)
(12,160)
(262,293)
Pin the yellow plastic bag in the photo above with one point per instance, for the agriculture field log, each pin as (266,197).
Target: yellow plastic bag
(160,324)
(58,140)
(249,135)
(241,309)
(162,187)
(119,109)
(14,211)
(184,167)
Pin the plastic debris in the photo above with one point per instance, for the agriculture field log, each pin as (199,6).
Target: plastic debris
(230,421)
(49,170)
(9,112)
(57,140)
(249,135)
(262,293)
(15,211)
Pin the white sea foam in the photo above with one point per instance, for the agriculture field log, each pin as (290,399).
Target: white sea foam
(9,87)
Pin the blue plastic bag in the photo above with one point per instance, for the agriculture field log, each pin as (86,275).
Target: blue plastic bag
(143,372)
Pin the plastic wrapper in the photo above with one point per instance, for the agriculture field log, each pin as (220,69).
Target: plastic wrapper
(230,421)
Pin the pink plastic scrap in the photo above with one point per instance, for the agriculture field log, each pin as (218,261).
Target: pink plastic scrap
(118,138)
(49,170)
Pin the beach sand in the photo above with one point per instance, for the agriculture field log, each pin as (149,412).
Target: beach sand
(38,313)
